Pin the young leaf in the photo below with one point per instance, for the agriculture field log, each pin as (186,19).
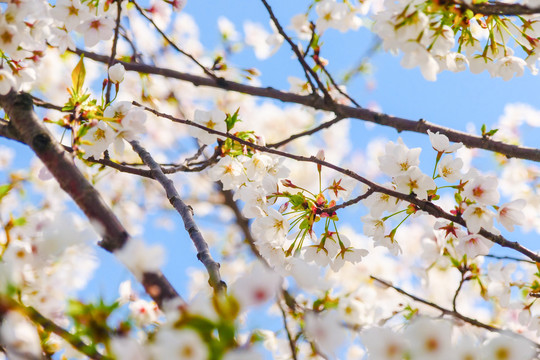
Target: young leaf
(4,189)
(78,75)
(232,119)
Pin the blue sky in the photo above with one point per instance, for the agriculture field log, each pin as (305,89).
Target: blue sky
(453,100)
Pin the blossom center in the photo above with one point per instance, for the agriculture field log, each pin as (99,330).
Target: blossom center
(7,37)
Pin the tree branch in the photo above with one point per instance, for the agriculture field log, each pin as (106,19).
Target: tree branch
(113,49)
(400,124)
(185,211)
(50,326)
(322,126)
(170,42)
(452,313)
(424,205)
(30,130)
(328,99)
(499,8)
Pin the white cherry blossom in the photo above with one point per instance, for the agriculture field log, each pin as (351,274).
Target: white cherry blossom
(508,67)
(325,330)
(398,158)
(429,339)
(511,214)
(7,82)
(256,287)
(415,181)
(184,344)
(482,189)
(96,29)
(473,245)
(441,144)
(214,120)
(19,337)
(477,217)
(141,258)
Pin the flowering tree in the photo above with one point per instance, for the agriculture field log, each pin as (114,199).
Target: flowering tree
(304,252)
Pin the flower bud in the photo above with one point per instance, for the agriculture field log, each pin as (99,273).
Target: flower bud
(116,73)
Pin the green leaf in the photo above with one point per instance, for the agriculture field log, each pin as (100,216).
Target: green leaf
(19,221)
(232,119)
(78,75)
(4,190)
(297,199)
(483,129)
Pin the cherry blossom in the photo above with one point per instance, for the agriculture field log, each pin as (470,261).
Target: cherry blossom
(414,181)
(429,339)
(140,258)
(477,217)
(179,344)
(97,140)
(95,29)
(398,158)
(505,347)
(511,214)
(19,337)
(213,120)
(257,287)
(473,245)
(482,189)
(324,330)
(383,344)
(441,144)
(449,169)
(7,82)
(507,67)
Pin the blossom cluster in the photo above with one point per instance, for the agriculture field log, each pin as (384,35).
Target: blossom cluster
(427,34)
(315,271)
(475,194)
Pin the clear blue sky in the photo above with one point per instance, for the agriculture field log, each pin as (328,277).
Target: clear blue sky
(453,100)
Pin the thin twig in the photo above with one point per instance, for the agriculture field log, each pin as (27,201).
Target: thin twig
(400,124)
(322,126)
(509,258)
(454,314)
(167,169)
(298,54)
(365,195)
(461,282)
(42,103)
(170,42)
(292,345)
(50,326)
(185,211)
(114,46)
(336,86)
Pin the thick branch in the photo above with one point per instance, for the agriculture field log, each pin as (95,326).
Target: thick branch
(32,132)
(400,124)
(9,132)
(185,211)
